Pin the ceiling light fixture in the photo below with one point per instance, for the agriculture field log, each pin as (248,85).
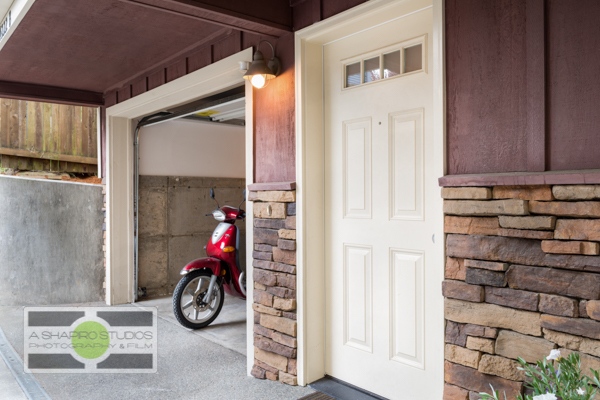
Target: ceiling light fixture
(260,72)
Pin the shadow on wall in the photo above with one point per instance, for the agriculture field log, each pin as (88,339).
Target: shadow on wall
(174,227)
(50,242)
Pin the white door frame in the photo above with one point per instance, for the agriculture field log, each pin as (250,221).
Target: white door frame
(309,44)
(121,120)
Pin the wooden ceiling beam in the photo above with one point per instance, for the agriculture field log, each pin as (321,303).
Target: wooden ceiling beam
(236,17)
(51,94)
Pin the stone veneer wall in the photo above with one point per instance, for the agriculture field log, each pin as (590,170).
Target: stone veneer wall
(522,277)
(274,303)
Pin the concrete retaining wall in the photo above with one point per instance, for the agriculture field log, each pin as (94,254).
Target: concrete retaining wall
(174,227)
(50,242)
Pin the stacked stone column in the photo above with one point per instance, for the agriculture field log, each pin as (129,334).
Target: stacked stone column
(522,278)
(274,302)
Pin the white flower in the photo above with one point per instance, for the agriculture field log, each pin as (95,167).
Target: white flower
(547,396)
(554,355)
(580,391)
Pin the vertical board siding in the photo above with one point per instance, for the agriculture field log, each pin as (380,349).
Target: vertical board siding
(522,85)
(52,130)
(486,86)
(573,49)
(274,121)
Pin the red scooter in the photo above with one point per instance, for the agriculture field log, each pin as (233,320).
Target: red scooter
(199,295)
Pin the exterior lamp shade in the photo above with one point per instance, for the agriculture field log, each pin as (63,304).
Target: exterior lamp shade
(260,73)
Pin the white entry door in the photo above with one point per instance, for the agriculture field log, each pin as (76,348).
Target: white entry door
(383,275)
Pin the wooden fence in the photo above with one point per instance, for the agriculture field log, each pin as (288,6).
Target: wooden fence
(48,137)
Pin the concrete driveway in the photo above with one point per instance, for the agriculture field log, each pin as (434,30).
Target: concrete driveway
(191,364)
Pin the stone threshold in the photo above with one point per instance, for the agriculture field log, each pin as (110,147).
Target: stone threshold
(575,177)
(271,186)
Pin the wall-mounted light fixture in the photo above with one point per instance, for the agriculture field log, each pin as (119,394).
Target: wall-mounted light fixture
(260,73)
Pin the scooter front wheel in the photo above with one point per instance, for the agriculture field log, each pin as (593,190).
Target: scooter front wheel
(188,305)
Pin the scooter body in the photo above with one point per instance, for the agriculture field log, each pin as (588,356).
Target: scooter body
(223,251)
(198,297)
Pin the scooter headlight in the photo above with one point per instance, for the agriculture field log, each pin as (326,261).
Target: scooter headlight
(219,215)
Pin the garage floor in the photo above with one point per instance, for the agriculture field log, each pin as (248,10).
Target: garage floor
(191,364)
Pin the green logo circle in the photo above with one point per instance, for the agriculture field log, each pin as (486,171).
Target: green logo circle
(90,340)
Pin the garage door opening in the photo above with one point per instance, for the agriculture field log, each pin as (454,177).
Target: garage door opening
(184,153)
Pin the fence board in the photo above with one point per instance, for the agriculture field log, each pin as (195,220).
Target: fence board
(82,140)
(4,122)
(47,136)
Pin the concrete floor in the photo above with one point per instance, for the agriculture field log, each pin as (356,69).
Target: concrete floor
(228,330)
(204,364)
(9,387)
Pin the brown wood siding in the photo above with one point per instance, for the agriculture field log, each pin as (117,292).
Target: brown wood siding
(486,86)
(522,86)
(573,48)
(274,121)
(44,136)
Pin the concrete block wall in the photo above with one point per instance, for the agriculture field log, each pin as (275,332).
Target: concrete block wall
(522,277)
(274,276)
(174,227)
(50,242)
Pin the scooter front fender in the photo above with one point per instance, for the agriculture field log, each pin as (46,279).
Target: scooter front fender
(211,263)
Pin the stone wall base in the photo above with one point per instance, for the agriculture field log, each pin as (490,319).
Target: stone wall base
(522,277)
(274,302)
